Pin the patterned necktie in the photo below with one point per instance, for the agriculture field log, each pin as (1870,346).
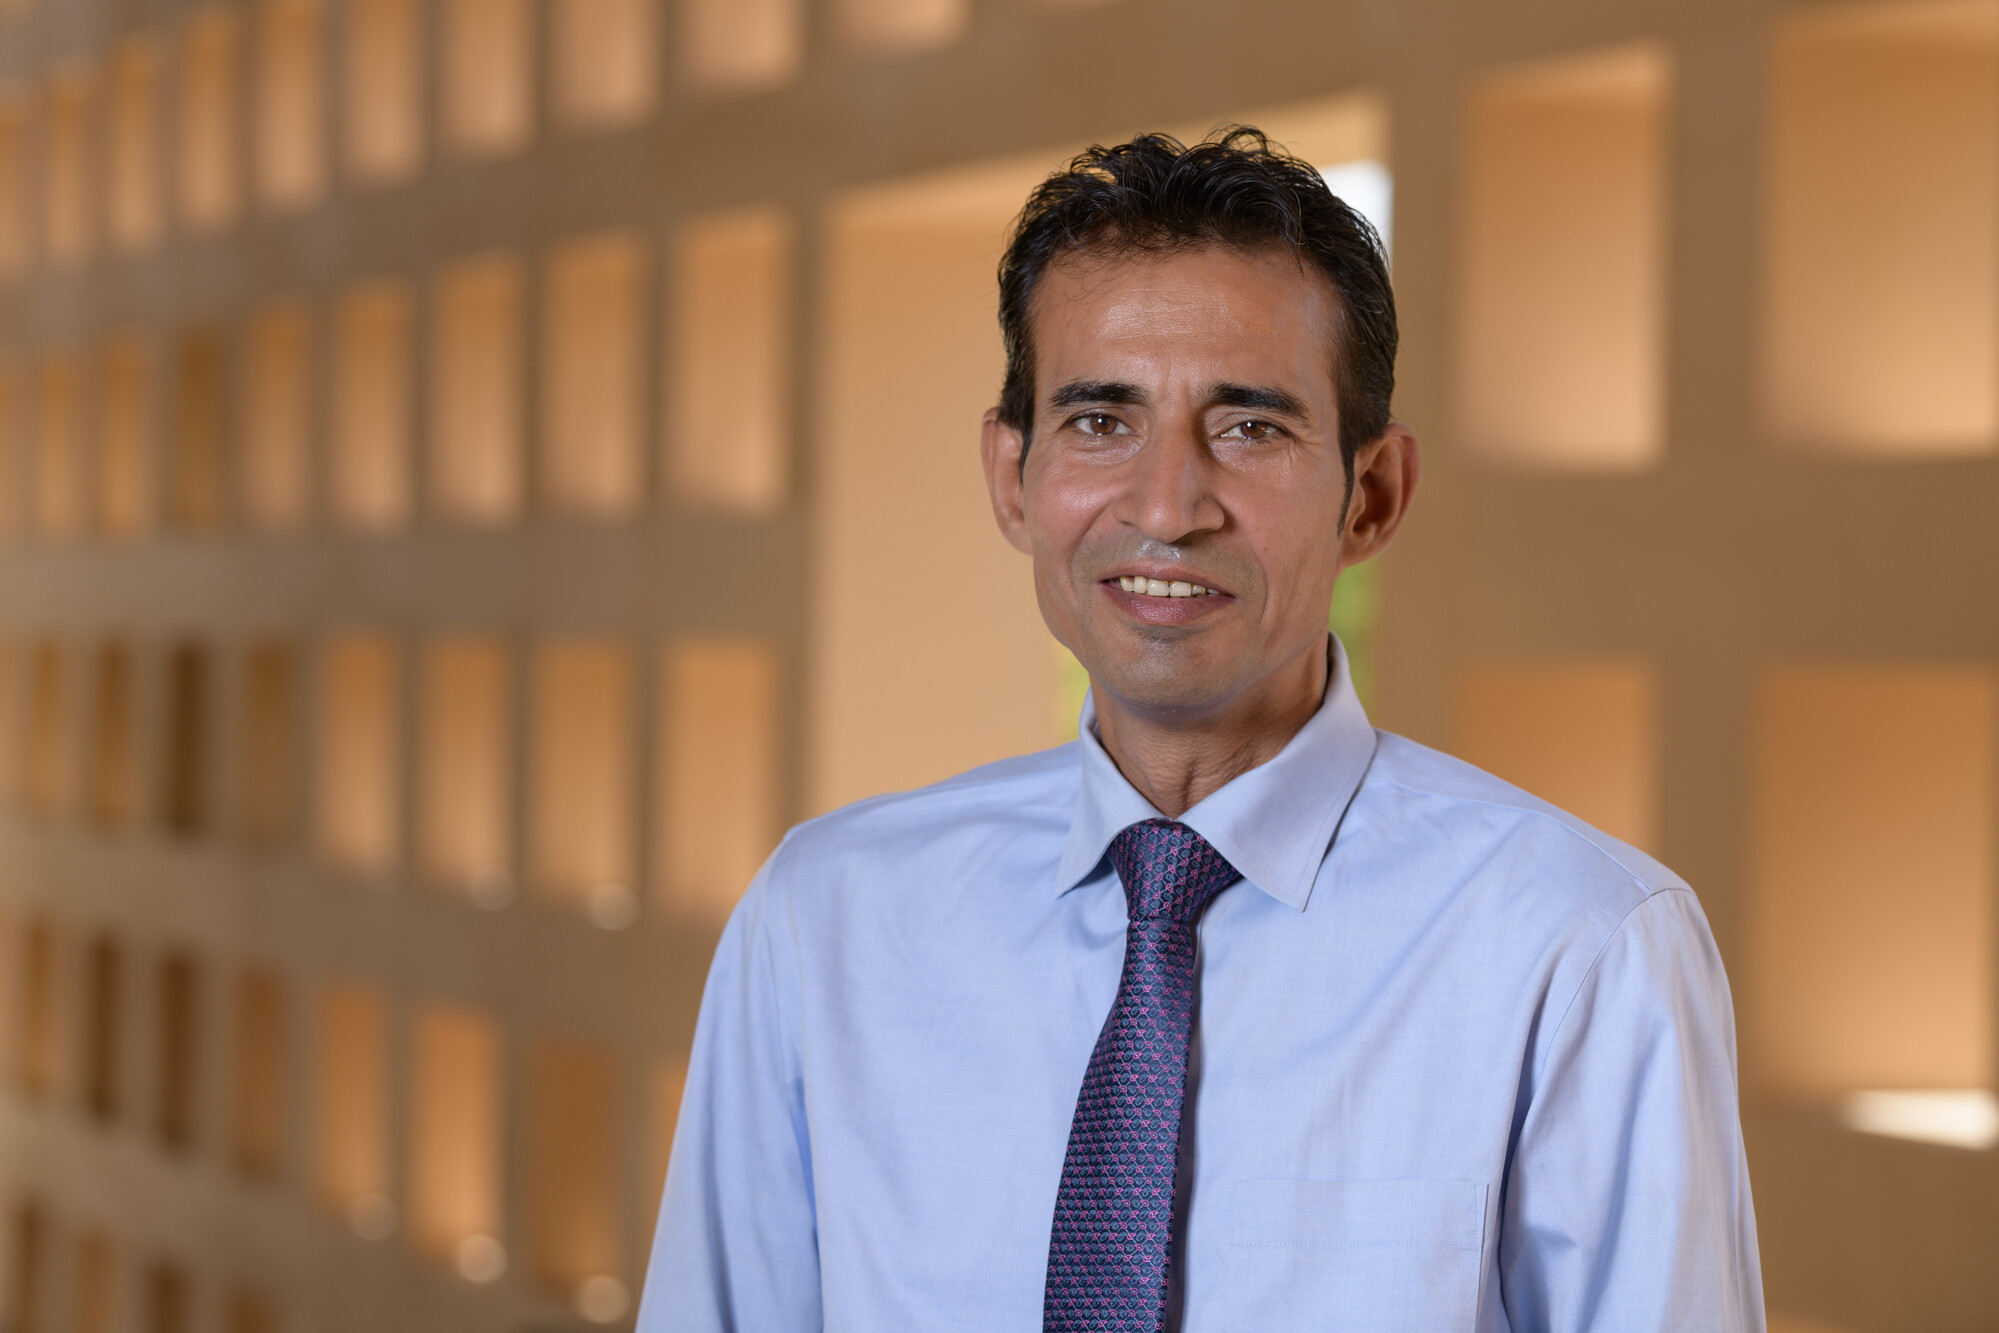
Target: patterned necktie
(1112,1242)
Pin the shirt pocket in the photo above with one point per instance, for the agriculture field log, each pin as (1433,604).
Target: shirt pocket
(1355,1256)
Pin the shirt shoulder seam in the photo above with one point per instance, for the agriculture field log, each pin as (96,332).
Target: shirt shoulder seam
(1596,961)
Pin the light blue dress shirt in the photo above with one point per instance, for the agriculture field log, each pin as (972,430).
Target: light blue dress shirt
(1461,1063)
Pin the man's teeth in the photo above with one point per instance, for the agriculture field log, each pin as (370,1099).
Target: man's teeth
(1161,588)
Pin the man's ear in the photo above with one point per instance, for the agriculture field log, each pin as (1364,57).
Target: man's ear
(999,449)
(1386,471)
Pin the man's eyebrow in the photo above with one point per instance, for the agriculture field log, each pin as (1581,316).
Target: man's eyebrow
(1260,398)
(1093,393)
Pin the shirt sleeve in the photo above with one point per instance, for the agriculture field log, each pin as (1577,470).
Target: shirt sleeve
(1627,1203)
(736,1247)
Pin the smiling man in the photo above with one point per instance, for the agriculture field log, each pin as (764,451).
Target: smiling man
(1234,1014)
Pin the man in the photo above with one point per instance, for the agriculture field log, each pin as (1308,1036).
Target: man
(1235,1014)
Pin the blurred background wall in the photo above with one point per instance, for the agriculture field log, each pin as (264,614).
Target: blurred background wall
(473,471)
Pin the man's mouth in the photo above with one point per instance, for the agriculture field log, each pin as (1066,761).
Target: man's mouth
(1145,587)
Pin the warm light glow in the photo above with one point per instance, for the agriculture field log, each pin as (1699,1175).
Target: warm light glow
(488,69)
(729,381)
(124,480)
(602,1299)
(1560,339)
(475,400)
(384,90)
(197,458)
(277,418)
(359,793)
(465,763)
(740,45)
(59,447)
(1883,139)
(456,1135)
(349,1165)
(69,189)
(132,168)
(289,129)
(210,178)
(481,1259)
(718,779)
(15,229)
(368,480)
(1954,1117)
(593,375)
(604,60)
(901,26)
(580,789)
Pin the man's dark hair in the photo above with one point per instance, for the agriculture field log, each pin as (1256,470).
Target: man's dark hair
(1158,195)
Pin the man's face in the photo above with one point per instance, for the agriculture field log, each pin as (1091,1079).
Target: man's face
(1186,435)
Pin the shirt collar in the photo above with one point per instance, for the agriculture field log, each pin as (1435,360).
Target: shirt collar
(1274,823)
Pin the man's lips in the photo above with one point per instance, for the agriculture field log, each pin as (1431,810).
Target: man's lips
(1164,601)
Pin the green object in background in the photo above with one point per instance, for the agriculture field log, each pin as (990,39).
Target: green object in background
(1356,611)
(1071,684)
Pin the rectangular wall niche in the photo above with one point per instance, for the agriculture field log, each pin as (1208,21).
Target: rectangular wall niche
(59,446)
(475,390)
(132,173)
(580,790)
(267,737)
(124,472)
(291,103)
(358,788)
(210,176)
(455,1139)
(16,250)
(277,418)
(1884,142)
(740,45)
(1870,911)
(257,1075)
(487,101)
(383,130)
(718,779)
(592,374)
(465,767)
(605,66)
(69,180)
(350,1108)
(177,1047)
(1562,260)
(729,381)
(575,1206)
(1579,735)
(901,26)
(368,468)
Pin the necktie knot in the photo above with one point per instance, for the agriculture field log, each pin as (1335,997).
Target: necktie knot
(1169,872)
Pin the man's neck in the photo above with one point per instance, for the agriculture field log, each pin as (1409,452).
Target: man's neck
(1177,763)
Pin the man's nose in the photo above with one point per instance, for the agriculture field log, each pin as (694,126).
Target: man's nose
(1171,493)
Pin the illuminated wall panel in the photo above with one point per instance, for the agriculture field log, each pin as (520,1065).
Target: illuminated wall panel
(184,763)
(350,1102)
(605,66)
(383,85)
(729,381)
(13,739)
(103,999)
(1871,873)
(277,418)
(13,440)
(1582,736)
(580,807)
(368,484)
(123,480)
(132,131)
(358,789)
(1563,262)
(290,124)
(910,320)
(16,229)
(267,733)
(257,1075)
(487,101)
(1883,141)
(740,45)
(60,492)
(210,174)
(198,445)
(575,1235)
(456,1133)
(718,780)
(96,1284)
(38,1048)
(177,1049)
(51,748)
(898,26)
(112,783)
(475,387)
(465,766)
(69,166)
(593,375)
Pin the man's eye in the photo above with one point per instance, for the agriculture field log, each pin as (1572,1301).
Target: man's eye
(1098,423)
(1251,430)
